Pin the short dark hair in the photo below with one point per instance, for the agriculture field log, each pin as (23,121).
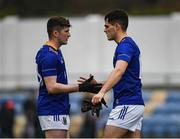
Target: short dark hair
(56,21)
(118,16)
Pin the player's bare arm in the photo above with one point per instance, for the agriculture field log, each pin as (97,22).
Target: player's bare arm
(53,87)
(114,77)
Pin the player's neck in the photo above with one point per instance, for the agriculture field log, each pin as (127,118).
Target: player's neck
(120,36)
(54,44)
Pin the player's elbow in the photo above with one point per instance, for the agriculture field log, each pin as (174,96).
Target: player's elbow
(51,89)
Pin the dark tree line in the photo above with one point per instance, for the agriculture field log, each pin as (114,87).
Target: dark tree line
(43,8)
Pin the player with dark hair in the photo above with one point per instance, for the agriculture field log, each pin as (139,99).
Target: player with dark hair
(53,101)
(125,119)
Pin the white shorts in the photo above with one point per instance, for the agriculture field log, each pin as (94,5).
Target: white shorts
(127,116)
(54,122)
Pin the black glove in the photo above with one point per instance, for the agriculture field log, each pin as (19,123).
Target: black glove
(87,106)
(87,86)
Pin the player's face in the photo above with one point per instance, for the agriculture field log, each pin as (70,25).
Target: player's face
(110,31)
(63,35)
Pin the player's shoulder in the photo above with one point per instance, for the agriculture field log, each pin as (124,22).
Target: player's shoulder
(46,52)
(129,42)
(49,51)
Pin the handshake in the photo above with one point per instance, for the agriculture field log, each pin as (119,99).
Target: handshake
(87,105)
(87,86)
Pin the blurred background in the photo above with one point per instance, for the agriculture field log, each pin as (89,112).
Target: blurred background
(154,25)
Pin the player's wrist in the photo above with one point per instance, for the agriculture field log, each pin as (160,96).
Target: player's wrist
(77,87)
(102,93)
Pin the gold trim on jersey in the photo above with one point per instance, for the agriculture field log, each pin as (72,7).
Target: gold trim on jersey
(52,47)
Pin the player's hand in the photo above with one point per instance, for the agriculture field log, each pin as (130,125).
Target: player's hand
(97,98)
(87,86)
(88,106)
(83,79)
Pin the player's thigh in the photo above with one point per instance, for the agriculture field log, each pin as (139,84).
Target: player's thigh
(114,132)
(130,134)
(55,126)
(56,133)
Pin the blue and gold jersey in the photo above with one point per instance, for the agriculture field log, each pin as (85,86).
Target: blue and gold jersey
(128,90)
(50,62)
